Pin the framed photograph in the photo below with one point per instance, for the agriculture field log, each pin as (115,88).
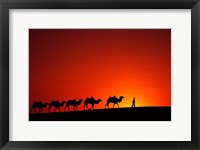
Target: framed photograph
(99,74)
(81,74)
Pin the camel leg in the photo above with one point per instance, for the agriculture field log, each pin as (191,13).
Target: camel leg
(35,109)
(93,106)
(55,109)
(107,104)
(87,106)
(118,105)
(65,107)
(59,109)
(50,108)
(114,105)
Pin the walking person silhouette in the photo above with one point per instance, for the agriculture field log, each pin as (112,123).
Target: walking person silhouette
(133,102)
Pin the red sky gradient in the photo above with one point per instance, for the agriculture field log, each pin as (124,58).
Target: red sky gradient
(78,63)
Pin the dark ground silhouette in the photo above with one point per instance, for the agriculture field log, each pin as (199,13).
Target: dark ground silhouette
(112,114)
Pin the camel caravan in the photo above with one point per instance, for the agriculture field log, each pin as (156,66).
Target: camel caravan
(75,104)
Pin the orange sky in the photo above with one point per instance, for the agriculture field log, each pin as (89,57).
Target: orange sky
(78,63)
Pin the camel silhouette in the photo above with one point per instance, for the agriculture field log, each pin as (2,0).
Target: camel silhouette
(114,100)
(91,101)
(38,105)
(56,104)
(73,103)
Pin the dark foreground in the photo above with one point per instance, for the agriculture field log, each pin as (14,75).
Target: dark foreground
(116,114)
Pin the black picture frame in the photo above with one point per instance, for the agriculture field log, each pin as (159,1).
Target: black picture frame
(5,5)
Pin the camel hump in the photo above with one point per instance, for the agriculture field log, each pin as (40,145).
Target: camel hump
(112,97)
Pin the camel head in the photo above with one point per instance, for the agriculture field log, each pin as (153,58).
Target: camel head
(63,102)
(120,98)
(99,100)
(45,104)
(80,100)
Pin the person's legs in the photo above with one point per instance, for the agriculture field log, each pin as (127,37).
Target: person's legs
(132,105)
